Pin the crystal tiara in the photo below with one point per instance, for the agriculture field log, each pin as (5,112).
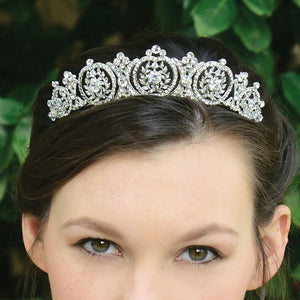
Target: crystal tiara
(156,74)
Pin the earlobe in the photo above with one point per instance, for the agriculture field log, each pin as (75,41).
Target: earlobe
(274,238)
(31,228)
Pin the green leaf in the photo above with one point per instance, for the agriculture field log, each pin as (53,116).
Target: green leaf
(3,138)
(24,94)
(188,6)
(292,199)
(262,7)
(275,288)
(21,10)
(213,16)
(296,273)
(253,31)
(264,65)
(10,111)
(21,138)
(52,75)
(297,2)
(82,3)
(3,186)
(6,149)
(168,14)
(291,89)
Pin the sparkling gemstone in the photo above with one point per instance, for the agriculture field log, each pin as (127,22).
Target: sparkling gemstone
(154,78)
(155,65)
(123,82)
(94,85)
(89,62)
(214,84)
(186,80)
(67,74)
(155,49)
(222,61)
(55,84)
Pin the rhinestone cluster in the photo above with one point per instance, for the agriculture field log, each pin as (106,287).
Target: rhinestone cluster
(155,73)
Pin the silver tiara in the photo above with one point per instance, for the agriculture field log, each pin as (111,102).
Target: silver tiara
(156,74)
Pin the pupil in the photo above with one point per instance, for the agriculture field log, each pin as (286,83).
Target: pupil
(197,253)
(100,245)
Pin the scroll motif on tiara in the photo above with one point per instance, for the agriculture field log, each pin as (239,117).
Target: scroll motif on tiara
(155,73)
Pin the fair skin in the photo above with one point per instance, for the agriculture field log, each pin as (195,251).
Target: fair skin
(175,224)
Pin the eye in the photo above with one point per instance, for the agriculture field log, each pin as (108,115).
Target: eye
(99,247)
(199,255)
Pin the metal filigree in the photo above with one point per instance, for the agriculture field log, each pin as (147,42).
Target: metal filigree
(155,73)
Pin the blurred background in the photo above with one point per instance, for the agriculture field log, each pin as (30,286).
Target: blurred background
(38,36)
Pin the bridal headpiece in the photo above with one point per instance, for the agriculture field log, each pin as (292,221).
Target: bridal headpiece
(155,73)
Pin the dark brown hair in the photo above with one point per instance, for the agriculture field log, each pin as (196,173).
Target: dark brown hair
(60,150)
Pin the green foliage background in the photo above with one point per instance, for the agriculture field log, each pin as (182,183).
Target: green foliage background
(38,36)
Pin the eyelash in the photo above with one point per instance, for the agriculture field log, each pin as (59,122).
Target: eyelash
(83,242)
(215,254)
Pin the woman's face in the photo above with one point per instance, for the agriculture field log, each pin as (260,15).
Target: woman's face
(172,225)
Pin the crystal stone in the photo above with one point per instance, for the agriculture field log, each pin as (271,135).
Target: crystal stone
(154,78)
(123,82)
(186,80)
(155,49)
(89,62)
(95,85)
(214,84)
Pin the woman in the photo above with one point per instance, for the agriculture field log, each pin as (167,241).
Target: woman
(156,171)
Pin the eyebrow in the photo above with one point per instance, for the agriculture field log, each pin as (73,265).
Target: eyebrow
(96,225)
(106,228)
(210,229)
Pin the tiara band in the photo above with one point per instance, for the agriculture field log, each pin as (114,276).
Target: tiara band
(156,74)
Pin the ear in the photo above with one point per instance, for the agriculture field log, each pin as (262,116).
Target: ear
(274,237)
(33,242)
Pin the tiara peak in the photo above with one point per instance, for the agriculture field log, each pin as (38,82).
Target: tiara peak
(156,74)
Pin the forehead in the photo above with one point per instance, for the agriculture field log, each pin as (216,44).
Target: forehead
(179,182)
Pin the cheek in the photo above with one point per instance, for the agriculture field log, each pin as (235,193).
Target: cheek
(75,275)
(227,278)
(240,273)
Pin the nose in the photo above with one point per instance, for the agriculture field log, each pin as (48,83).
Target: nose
(147,283)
